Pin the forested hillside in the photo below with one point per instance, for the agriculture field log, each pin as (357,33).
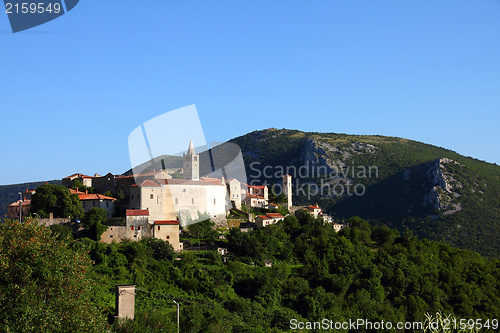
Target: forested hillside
(366,272)
(435,192)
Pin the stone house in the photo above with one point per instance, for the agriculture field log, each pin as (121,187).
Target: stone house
(91,200)
(268,219)
(168,231)
(13,209)
(84,179)
(315,210)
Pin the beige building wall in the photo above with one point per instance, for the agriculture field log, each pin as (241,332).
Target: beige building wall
(235,194)
(168,231)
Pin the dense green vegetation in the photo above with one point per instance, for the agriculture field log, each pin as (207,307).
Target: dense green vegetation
(395,195)
(55,199)
(361,272)
(44,285)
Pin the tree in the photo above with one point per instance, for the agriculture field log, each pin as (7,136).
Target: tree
(55,199)
(77,184)
(61,233)
(162,250)
(45,286)
(93,222)
(203,230)
(109,194)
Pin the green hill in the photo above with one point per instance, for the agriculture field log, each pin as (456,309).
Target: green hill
(435,192)
(10,193)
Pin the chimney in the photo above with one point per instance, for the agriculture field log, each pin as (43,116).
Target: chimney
(86,191)
(27,191)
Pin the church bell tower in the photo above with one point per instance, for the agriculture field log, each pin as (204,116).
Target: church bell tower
(190,164)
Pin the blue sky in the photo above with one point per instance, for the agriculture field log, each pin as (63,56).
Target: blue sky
(73,89)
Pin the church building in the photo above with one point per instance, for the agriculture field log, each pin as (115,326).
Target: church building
(190,200)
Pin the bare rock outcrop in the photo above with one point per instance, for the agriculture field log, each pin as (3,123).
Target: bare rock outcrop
(442,196)
(327,157)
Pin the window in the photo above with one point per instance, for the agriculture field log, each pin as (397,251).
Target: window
(107,203)
(158,200)
(158,227)
(192,200)
(176,201)
(93,203)
(131,196)
(84,204)
(150,196)
(214,201)
(196,158)
(139,228)
(168,237)
(132,228)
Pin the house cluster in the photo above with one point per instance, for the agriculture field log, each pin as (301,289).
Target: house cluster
(157,204)
(88,200)
(138,225)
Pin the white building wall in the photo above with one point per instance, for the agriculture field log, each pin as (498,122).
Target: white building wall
(165,202)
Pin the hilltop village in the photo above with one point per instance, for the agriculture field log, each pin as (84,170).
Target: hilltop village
(159,203)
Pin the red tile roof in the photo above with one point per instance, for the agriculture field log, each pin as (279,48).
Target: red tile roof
(172,222)
(200,182)
(145,174)
(92,196)
(274,215)
(75,191)
(255,196)
(16,204)
(76,175)
(149,183)
(264,217)
(313,207)
(137,212)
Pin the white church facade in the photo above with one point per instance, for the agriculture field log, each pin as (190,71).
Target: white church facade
(190,200)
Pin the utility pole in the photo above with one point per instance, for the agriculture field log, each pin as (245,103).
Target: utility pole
(177,303)
(20,207)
